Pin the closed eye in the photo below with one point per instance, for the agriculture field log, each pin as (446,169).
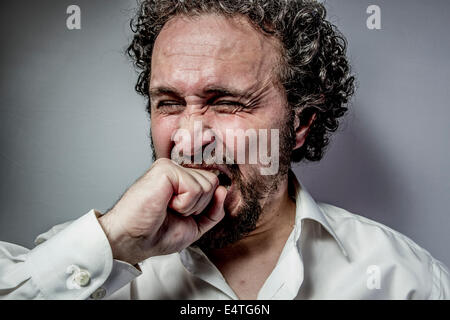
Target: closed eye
(169,103)
(228,103)
(227,106)
(169,106)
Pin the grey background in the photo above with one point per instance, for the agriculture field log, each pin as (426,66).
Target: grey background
(74,135)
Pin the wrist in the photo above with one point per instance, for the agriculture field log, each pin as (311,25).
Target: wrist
(115,241)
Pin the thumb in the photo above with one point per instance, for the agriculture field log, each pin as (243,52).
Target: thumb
(214,214)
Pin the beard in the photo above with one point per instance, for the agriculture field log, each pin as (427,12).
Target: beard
(253,190)
(233,228)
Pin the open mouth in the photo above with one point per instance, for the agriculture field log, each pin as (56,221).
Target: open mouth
(224,180)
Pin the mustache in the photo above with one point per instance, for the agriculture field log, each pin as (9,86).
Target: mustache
(207,158)
(224,164)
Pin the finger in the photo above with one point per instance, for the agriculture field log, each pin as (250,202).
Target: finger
(215,213)
(209,175)
(187,192)
(209,186)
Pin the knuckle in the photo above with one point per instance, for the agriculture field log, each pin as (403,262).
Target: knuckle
(215,180)
(196,190)
(185,207)
(208,187)
(182,206)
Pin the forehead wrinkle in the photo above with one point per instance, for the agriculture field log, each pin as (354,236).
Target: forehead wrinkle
(182,54)
(250,52)
(237,35)
(189,49)
(230,50)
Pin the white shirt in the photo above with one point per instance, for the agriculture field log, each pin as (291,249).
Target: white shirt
(330,254)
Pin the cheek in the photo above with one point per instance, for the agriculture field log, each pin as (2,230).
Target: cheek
(164,126)
(162,130)
(240,124)
(243,121)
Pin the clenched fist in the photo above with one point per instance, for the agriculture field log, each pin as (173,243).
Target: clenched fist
(165,211)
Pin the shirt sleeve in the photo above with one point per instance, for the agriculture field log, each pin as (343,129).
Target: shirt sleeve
(71,261)
(441,281)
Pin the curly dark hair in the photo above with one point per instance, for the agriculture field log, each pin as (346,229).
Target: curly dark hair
(314,71)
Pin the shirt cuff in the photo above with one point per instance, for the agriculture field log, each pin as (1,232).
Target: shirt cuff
(77,263)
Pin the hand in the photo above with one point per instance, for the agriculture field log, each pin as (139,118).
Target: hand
(163,212)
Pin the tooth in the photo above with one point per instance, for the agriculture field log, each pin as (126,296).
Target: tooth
(228,187)
(216,172)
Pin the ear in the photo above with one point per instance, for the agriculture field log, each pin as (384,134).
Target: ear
(301,131)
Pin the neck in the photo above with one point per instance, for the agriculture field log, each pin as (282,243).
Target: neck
(271,233)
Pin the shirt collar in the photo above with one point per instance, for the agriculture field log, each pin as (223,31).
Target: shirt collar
(307,208)
(197,263)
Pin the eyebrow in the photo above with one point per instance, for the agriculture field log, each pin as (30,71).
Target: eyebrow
(161,91)
(218,91)
(226,92)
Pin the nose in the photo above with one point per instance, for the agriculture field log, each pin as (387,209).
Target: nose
(193,135)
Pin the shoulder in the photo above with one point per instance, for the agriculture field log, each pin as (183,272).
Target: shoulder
(349,226)
(400,259)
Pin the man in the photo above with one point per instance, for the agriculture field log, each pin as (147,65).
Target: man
(220,229)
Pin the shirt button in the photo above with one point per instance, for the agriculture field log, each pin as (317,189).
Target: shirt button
(98,294)
(82,278)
